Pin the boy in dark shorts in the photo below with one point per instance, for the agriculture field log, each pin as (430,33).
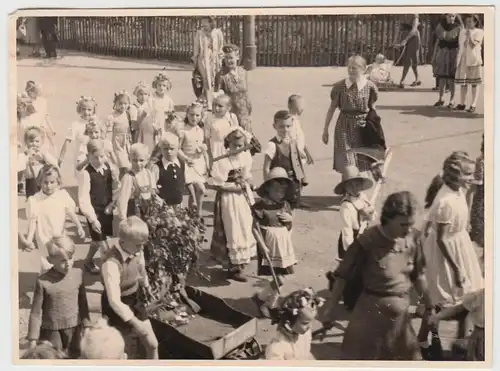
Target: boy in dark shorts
(96,189)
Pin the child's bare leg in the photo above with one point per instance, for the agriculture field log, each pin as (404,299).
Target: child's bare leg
(192,195)
(200,194)
(89,259)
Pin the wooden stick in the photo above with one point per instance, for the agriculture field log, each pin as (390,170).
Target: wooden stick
(246,148)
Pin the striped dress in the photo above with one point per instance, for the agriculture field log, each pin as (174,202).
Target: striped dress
(353,101)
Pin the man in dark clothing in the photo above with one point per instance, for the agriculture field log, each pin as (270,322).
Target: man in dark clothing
(48,28)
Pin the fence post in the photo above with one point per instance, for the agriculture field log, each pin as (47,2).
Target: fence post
(249,47)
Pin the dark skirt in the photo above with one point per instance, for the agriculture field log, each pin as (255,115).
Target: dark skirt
(218,246)
(106,221)
(380,329)
(67,340)
(477,216)
(445,65)
(411,52)
(31,187)
(133,301)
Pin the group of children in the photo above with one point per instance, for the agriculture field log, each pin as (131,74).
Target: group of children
(144,153)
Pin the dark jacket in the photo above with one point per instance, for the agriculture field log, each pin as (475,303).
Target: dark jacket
(372,134)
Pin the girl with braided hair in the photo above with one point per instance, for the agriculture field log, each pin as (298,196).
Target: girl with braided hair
(452,265)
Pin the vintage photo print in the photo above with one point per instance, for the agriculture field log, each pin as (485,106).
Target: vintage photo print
(287,186)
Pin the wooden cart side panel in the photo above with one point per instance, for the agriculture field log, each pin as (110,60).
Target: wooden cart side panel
(234,339)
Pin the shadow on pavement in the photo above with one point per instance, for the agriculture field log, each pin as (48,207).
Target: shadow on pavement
(430,111)
(325,350)
(60,62)
(320,203)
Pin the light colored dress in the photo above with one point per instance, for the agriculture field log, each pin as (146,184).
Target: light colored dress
(120,137)
(233,217)
(469,58)
(77,135)
(147,128)
(192,143)
(49,212)
(160,105)
(450,207)
(217,129)
(208,55)
(286,347)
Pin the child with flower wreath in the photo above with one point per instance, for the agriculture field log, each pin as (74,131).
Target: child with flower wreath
(119,125)
(161,102)
(146,129)
(293,333)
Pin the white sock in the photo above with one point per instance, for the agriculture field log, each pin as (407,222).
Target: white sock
(463,94)
(475,96)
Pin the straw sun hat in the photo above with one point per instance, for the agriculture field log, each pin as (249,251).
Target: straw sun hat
(351,174)
(277,173)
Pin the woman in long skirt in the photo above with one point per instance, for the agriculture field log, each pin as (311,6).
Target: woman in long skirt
(353,96)
(208,55)
(445,61)
(389,259)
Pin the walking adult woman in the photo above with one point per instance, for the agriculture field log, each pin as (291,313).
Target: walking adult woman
(208,55)
(445,61)
(389,259)
(48,29)
(354,97)
(410,29)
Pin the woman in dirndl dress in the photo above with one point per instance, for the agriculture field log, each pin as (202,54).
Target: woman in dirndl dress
(469,61)
(445,57)
(354,97)
(390,261)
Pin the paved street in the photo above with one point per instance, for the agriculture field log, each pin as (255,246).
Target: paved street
(421,137)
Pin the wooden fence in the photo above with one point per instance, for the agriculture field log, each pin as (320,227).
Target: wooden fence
(302,40)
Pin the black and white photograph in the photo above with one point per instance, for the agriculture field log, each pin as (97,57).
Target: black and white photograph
(231,185)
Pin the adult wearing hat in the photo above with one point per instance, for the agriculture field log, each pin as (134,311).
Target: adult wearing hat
(355,209)
(274,217)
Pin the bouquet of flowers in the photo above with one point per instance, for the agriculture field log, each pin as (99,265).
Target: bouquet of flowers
(176,235)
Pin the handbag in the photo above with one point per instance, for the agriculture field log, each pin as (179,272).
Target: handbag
(197,83)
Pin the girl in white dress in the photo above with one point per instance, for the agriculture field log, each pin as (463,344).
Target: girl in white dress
(34,91)
(119,124)
(220,124)
(194,152)
(453,268)
(161,102)
(86,109)
(294,327)
(469,61)
(146,131)
(233,243)
(47,211)
(136,183)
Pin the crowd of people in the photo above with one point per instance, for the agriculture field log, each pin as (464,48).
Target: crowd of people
(143,156)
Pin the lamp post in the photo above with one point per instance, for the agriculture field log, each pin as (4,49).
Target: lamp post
(249,47)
